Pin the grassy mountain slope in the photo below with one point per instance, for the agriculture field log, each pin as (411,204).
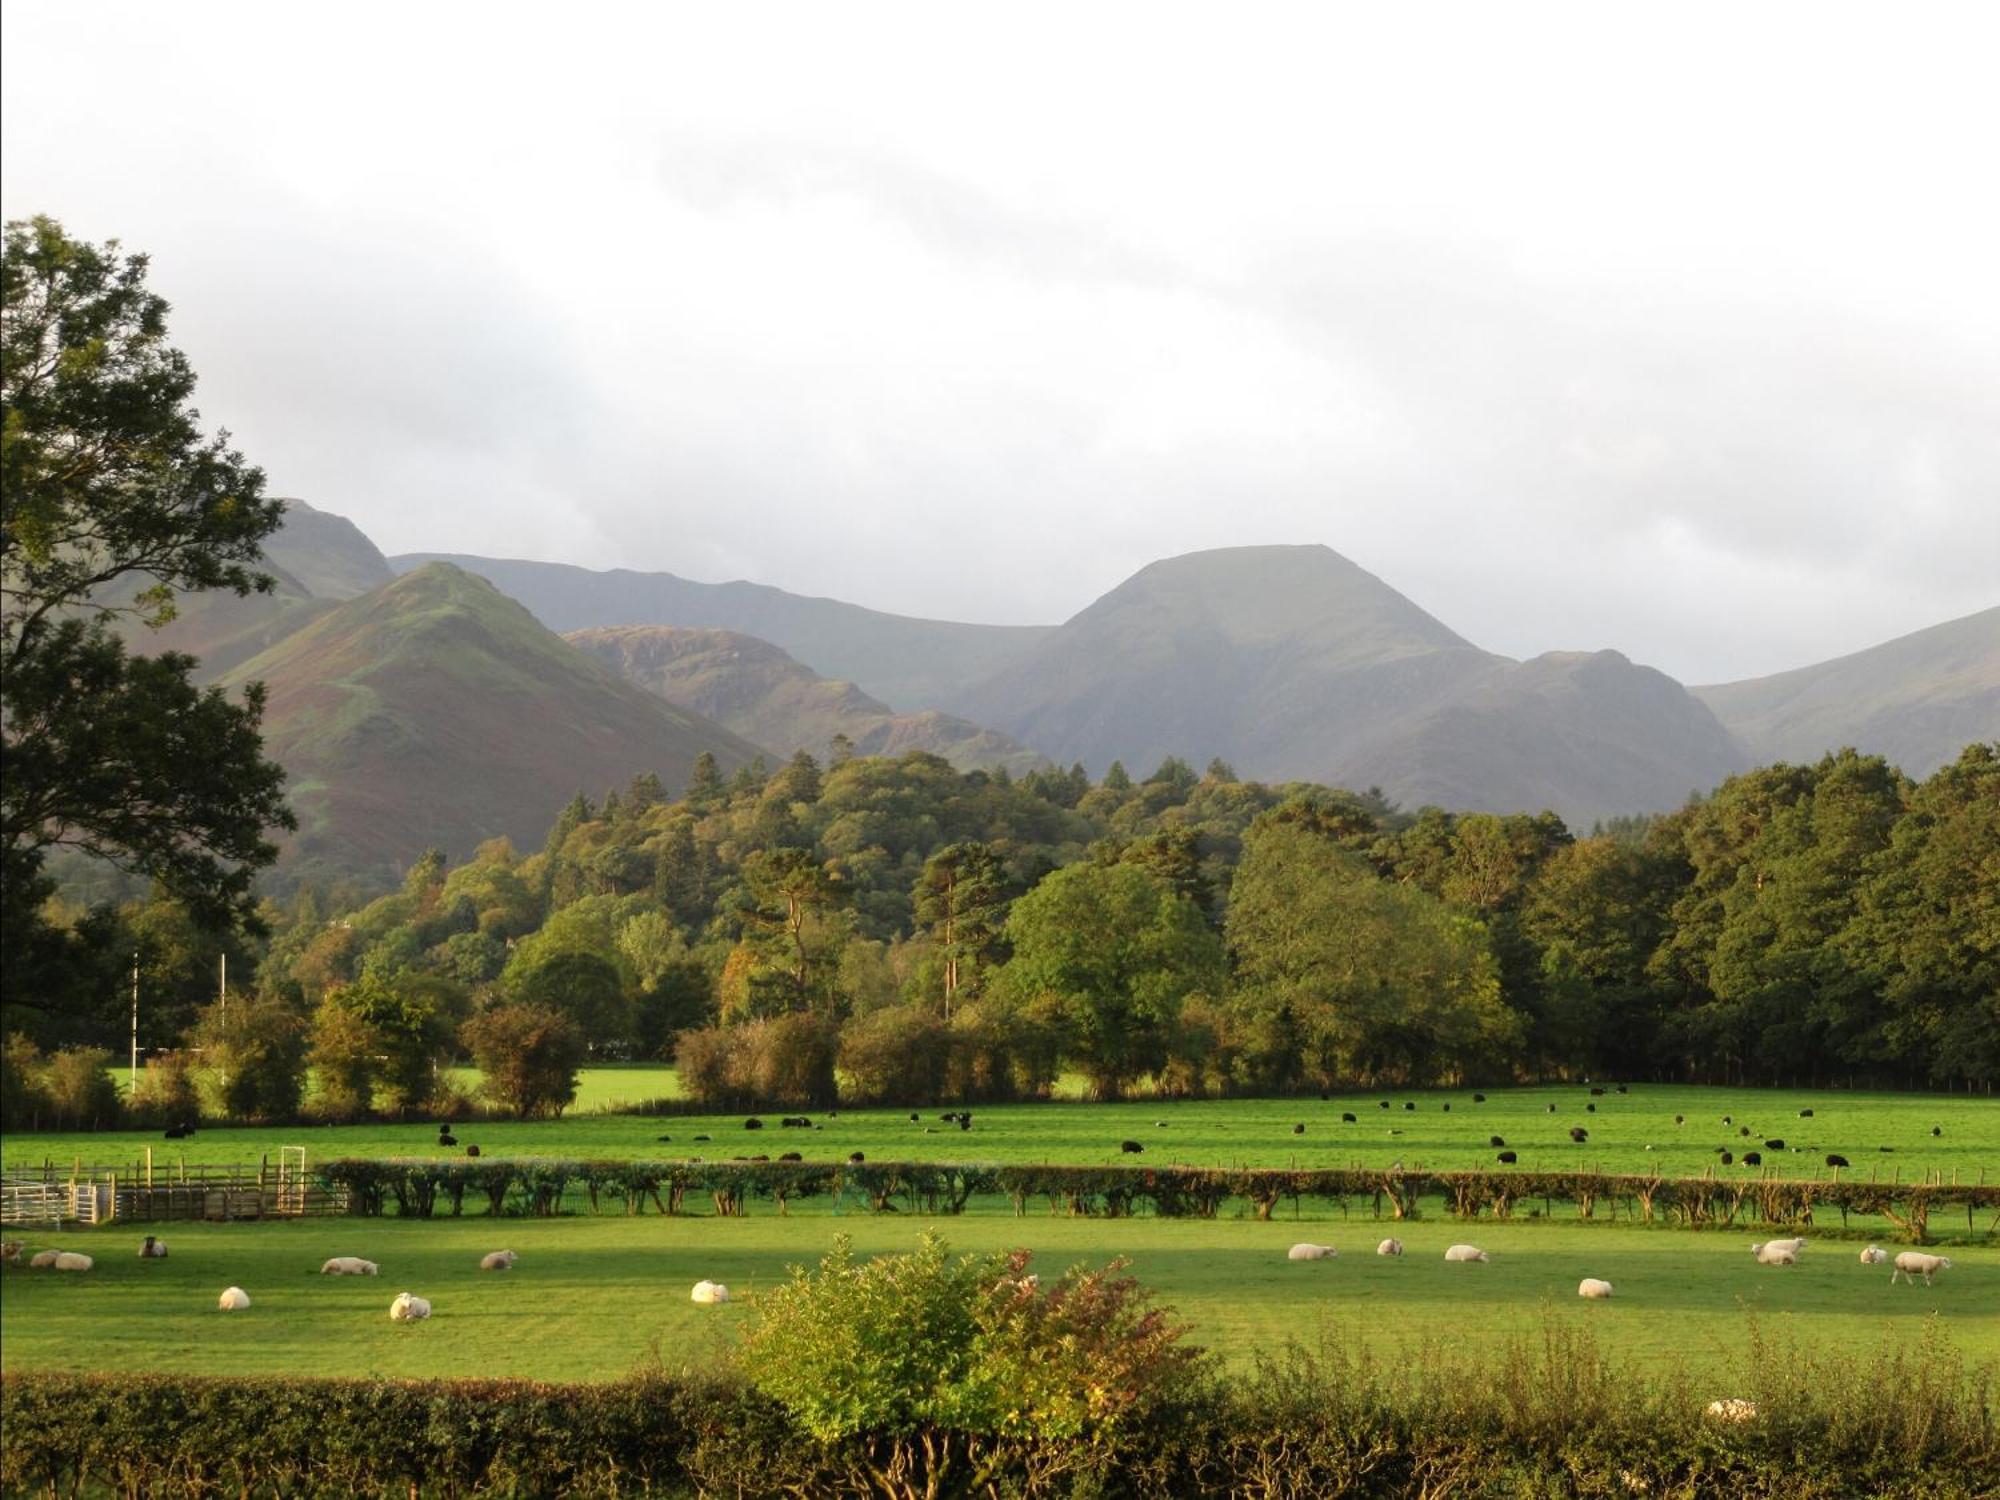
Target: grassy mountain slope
(906,662)
(1292,662)
(758,691)
(317,559)
(435,710)
(1917,700)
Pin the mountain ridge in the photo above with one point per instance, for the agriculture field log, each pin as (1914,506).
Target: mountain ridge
(760,692)
(434,710)
(905,661)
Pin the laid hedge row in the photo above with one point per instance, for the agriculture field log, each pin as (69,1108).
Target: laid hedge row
(170,1437)
(538,1186)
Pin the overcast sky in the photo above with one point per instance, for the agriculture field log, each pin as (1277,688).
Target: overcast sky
(1674,329)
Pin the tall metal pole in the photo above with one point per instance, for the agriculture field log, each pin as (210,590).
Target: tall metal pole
(134,1085)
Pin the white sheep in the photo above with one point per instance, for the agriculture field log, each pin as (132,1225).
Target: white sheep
(43,1260)
(1791,1246)
(1775,1253)
(1592,1288)
(1389,1247)
(235,1299)
(1911,1264)
(349,1265)
(499,1260)
(69,1260)
(709,1293)
(408,1309)
(1311,1252)
(1466,1253)
(1874,1255)
(1733,1409)
(153,1249)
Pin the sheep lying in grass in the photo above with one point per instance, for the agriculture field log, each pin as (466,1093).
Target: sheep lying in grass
(1775,1253)
(1914,1263)
(1466,1253)
(709,1293)
(499,1260)
(1311,1252)
(349,1265)
(1389,1247)
(234,1299)
(1733,1409)
(1874,1255)
(69,1260)
(153,1249)
(43,1260)
(409,1309)
(1592,1288)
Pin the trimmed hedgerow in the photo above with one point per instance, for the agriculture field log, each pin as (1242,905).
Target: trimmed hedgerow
(1552,1412)
(537,1186)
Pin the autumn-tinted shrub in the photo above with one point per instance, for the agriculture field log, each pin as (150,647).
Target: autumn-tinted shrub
(894,1055)
(528,1057)
(79,1090)
(166,1092)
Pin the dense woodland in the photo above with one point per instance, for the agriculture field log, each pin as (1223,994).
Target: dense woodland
(914,932)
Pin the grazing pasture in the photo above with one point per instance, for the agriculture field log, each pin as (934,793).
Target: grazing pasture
(591,1299)
(1633,1132)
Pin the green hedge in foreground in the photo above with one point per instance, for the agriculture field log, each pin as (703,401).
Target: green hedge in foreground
(421,1187)
(1547,1417)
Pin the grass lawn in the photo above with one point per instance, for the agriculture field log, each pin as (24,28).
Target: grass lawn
(592,1298)
(1235,1132)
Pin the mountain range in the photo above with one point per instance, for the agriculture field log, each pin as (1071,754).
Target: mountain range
(428,699)
(762,693)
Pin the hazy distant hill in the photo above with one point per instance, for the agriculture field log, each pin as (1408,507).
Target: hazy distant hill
(435,710)
(907,663)
(761,693)
(1585,733)
(1292,662)
(1917,700)
(317,559)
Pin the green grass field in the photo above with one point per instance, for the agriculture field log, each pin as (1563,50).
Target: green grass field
(1236,1132)
(593,1298)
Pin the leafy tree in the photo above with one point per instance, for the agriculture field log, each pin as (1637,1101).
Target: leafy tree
(1592,918)
(682,879)
(106,483)
(897,1055)
(1366,980)
(166,1093)
(785,890)
(705,783)
(1114,952)
(255,1056)
(1927,930)
(581,985)
(528,1058)
(409,1026)
(343,1058)
(961,901)
(23,1105)
(79,1091)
